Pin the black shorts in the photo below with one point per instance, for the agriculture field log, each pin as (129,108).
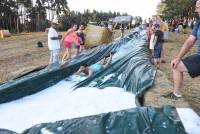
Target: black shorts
(192,63)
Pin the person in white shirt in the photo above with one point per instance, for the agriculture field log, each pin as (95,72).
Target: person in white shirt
(152,43)
(54,43)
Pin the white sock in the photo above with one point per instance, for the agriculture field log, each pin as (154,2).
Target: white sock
(177,95)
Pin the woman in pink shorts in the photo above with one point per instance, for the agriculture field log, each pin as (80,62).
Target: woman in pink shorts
(71,40)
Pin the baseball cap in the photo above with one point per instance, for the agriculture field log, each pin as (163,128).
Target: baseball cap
(55,21)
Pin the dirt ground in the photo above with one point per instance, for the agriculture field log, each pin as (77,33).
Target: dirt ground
(19,54)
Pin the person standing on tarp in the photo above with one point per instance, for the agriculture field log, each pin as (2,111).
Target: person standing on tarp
(190,64)
(80,33)
(54,43)
(71,40)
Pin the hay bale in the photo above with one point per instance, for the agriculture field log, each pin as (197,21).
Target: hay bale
(4,33)
(95,35)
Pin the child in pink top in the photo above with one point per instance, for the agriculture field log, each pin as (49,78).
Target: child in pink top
(71,39)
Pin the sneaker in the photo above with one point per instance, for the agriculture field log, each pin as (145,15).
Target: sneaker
(171,96)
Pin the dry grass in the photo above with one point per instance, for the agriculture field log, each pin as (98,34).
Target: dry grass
(20,53)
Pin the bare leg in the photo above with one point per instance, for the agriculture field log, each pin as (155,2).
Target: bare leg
(64,56)
(77,51)
(178,77)
(157,63)
(81,48)
(68,53)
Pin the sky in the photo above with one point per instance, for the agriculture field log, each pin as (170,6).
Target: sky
(143,8)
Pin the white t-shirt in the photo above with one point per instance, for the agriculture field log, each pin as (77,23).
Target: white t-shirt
(152,43)
(53,44)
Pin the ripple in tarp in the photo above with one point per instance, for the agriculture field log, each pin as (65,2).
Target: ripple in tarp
(146,120)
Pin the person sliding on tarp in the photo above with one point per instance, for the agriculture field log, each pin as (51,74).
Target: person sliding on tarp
(90,70)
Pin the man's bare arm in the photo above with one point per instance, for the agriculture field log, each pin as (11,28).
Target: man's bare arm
(184,49)
(56,38)
(186,46)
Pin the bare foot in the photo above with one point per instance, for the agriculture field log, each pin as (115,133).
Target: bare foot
(163,61)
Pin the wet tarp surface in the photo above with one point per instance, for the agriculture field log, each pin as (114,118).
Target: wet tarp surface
(146,120)
(5,131)
(133,71)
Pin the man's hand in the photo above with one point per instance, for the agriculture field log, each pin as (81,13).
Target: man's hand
(175,62)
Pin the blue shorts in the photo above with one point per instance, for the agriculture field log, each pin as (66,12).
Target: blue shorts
(158,50)
(96,67)
(192,63)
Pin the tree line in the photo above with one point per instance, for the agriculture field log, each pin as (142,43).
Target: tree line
(24,15)
(177,9)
